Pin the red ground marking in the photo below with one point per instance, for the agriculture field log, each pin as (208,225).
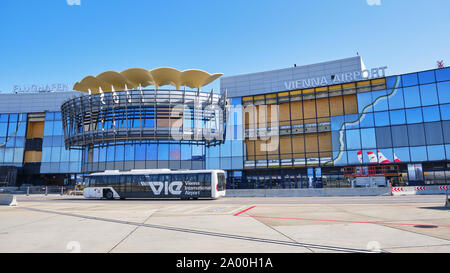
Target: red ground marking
(339,221)
(237,214)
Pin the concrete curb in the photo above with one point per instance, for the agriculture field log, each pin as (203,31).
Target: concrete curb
(8,200)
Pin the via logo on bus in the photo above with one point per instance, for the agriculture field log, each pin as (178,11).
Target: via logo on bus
(173,188)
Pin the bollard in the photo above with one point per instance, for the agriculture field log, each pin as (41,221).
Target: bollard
(28,191)
(45,190)
(62,191)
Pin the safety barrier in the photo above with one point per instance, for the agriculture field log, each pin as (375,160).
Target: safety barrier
(307,192)
(419,190)
(8,200)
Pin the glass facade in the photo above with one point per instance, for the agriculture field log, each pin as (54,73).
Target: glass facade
(286,139)
(55,157)
(12,139)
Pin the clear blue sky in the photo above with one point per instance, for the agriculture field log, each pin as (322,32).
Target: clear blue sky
(49,41)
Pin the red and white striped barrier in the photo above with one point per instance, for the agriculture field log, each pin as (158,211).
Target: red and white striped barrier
(422,190)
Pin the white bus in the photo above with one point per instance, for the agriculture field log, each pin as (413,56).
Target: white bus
(162,183)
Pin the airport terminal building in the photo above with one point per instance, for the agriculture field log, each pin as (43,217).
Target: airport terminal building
(313,126)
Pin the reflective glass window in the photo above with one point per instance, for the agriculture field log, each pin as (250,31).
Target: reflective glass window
(416,134)
(163,151)
(414,115)
(433,133)
(364,99)
(418,154)
(353,139)
(48,128)
(56,154)
(400,136)
(381,100)
(9,155)
(368,139)
(381,119)
(445,111)
(410,79)
(443,74)
(444,92)
(175,151)
(446,131)
(428,94)
(431,113)
(119,154)
(129,152)
(426,77)
(384,137)
(391,82)
(140,151)
(186,152)
(152,152)
(396,100)
(3,129)
(366,120)
(110,153)
(402,154)
(436,152)
(412,96)
(397,117)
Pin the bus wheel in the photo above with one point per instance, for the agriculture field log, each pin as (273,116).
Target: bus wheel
(109,195)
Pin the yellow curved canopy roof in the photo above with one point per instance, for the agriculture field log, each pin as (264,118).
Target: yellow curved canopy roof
(133,77)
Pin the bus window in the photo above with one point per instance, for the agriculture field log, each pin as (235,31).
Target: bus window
(178,177)
(112,180)
(164,177)
(191,177)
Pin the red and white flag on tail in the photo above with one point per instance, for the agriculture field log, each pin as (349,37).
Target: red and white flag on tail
(396,159)
(382,158)
(372,157)
(360,158)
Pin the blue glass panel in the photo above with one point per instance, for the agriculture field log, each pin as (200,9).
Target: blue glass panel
(10,142)
(46,154)
(129,152)
(391,81)
(175,151)
(381,103)
(445,111)
(20,141)
(9,155)
(364,99)
(3,129)
(426,77)
(140,151)
(447,151)
(431,113)
(4,117)
(49,116)
(396,100)
(58,116)
(443,74)
(13,117)
(21,130)
(149,122)
(418,154)
(57,128)
(353,139)
(237,147)
(48,128)
(101,157)
(18,155)
(436,152)
(163,151)
(152,152)
(444,92)
(368,139)
(387,153)
(336,123)
(402,154)
(2,154)
(381,119)
(428,94)
(119,154)
(56,154)
(397,117)
(410,79)
(110,153)
(65,155)
(412,96)
(414,115)
(186,153)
